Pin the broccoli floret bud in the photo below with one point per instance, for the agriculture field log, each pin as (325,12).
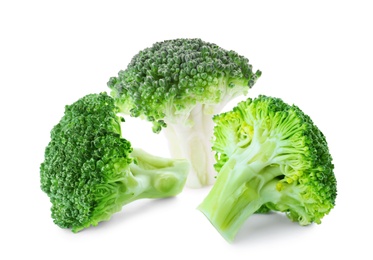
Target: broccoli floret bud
(270,156)
(178,85)
(89,171)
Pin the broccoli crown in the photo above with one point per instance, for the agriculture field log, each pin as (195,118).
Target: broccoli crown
(171,77)
(290,141)
(80,172)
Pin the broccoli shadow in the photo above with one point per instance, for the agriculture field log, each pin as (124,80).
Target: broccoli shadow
(268,226)
(133,210)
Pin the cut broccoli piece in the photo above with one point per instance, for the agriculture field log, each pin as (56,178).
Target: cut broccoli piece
(178,85)
(270,155)
(89,171)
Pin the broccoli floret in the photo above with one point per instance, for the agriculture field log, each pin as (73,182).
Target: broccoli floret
(270,156)
(89,171)
(178,85)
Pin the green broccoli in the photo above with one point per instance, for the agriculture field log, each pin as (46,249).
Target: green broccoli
(270,156)
(89,171)
(180,84)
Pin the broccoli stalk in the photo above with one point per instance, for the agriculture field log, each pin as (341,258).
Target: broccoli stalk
(148,176)
(179,85)
(270,156)
(90,172)
(161,177)
(191,142)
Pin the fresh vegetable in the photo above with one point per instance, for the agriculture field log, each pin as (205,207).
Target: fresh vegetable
(90,171)
(178,85)
(270,156)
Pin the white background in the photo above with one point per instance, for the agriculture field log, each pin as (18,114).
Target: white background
(315,54)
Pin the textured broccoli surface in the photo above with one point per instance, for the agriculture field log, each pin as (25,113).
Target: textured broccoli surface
(270,156)
(178,85)
(89,171)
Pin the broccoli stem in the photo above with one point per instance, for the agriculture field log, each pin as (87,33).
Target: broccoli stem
(148,176)
(158,177)
(247,181)
(191,140)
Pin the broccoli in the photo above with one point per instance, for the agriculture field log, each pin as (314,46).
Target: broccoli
(270,156)
(178,85)
(89,171)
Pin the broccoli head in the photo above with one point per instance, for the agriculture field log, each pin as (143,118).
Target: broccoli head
(89,171)
(178,85)
(270,156)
